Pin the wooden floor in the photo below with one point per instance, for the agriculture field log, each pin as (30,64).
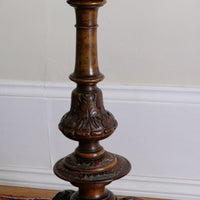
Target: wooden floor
(35,193)
(27,192)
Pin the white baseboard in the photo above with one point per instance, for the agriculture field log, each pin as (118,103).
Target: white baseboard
(130,186)
(153,119)
(124,93)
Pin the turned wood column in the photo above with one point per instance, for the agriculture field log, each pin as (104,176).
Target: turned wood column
(89,167)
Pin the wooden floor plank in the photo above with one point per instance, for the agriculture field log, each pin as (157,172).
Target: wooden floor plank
(27,192)
(35,193)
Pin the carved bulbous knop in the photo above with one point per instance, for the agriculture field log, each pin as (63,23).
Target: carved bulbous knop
(87,117)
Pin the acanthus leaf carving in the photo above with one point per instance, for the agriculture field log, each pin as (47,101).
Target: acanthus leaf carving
(87,117)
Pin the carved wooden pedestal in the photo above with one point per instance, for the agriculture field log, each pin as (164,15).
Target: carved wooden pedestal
(89,167)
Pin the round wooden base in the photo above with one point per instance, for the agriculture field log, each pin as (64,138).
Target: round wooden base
(72,195)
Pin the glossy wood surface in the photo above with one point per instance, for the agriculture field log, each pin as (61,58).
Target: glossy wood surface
(89,167)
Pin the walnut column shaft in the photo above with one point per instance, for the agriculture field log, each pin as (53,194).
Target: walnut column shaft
(86,67)
(89,167)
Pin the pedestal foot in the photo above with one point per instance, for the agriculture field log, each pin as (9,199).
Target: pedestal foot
(72,195)
(64,195)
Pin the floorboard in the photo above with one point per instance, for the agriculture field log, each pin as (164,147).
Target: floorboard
(35,193)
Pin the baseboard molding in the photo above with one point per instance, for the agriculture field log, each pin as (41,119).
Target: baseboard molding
(111,92)
(130,186)
(156,187)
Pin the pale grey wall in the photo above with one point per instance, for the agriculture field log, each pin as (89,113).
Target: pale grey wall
(22,39)
(141,42)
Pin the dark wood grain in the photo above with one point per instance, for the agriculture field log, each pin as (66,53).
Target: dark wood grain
(89,167)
